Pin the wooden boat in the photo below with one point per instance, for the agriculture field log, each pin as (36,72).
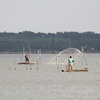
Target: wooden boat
(27,63)
(76,70)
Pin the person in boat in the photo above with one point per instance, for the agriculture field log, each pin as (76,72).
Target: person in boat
(27,57)
(70,63)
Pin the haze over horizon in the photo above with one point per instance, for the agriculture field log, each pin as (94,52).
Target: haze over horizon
(49,15)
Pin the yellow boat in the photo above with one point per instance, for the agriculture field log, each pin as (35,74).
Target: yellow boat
(26,63)
(76,70)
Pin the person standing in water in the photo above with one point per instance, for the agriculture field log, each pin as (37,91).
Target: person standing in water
(70,63)
(27,57)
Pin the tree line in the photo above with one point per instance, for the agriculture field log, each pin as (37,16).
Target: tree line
(49,42)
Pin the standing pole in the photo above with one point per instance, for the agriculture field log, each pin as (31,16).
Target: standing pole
(37,63)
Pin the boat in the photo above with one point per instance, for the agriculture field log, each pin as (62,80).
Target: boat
(27,63)
(76,70)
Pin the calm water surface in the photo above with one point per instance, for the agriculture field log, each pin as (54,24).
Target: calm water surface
(48,82)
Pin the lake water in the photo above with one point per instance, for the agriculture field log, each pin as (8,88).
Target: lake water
(46,82)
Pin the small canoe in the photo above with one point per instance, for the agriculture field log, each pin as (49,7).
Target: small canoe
(26,63)
(76,70)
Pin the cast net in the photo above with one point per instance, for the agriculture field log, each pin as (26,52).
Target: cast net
(63,56)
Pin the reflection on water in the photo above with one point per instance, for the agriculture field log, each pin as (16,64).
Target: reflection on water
(48,82)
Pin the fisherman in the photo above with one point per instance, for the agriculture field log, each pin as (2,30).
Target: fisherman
(27,57)
(70,63)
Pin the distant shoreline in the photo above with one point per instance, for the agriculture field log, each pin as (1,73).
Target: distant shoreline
(36,53)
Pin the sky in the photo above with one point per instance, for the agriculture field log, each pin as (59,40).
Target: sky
(50,15)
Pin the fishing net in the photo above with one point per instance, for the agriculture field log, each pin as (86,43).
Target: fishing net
(63,56)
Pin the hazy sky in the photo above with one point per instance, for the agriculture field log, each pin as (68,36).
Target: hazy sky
(49,15)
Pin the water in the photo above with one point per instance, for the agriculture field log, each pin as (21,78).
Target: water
(48,82)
